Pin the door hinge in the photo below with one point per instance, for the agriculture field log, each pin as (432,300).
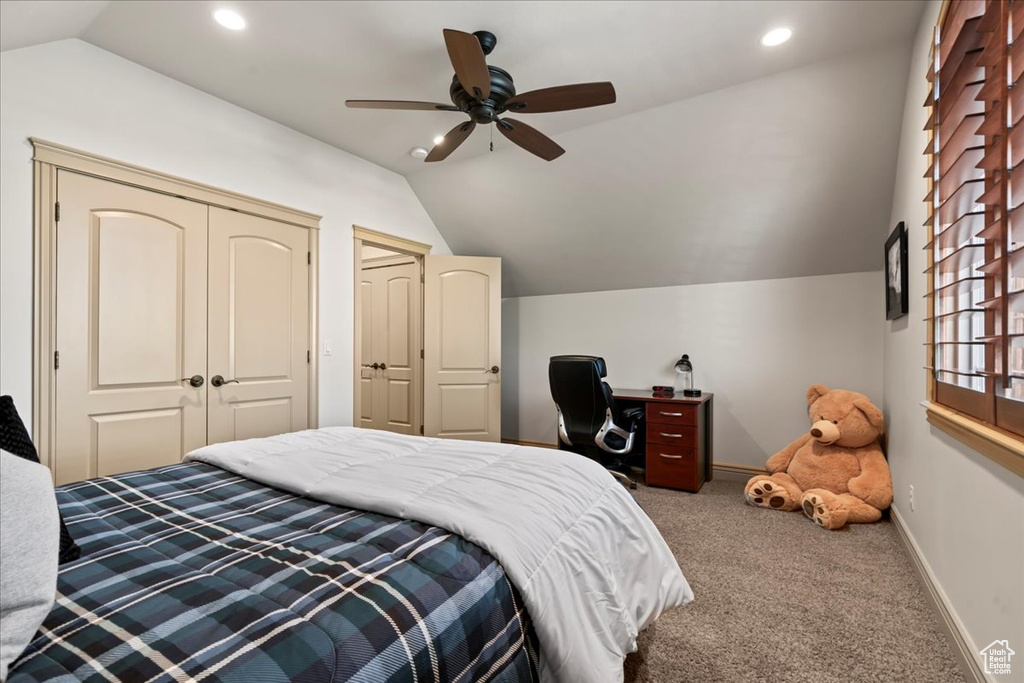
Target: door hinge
(421,353)
(309,356)
(56,360)
(56,212)
(421,429)
(309,258)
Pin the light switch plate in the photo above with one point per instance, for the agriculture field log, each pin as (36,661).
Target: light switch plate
(327,347)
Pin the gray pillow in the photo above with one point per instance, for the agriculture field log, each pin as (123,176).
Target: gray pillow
(29,537)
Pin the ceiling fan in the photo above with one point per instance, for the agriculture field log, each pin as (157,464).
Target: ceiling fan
(486,92)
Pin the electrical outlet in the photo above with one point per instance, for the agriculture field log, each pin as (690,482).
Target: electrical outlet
(911,497)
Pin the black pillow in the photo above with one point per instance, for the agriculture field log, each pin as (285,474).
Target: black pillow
(15,440)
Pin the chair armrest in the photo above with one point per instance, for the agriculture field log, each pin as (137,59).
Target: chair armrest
(633,417)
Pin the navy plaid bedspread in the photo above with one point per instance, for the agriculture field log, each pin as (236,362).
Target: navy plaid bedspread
(191,573)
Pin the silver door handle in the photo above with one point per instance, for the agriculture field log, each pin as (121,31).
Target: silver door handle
(671,436)
(671,457)
(671,414)
(493,371)
(195,380)
(219,381)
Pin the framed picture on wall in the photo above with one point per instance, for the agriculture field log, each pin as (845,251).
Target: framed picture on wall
(897,301)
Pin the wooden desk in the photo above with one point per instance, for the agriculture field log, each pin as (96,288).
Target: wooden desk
(678,448)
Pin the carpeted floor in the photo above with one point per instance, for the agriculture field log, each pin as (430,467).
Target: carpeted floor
(780,599)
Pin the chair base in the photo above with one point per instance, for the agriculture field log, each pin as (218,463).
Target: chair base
(616,465)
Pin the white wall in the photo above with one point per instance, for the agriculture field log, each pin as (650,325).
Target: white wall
(75,94)
(756,345)
(969,512)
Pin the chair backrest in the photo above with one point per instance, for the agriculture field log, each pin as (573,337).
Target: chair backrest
(579,392)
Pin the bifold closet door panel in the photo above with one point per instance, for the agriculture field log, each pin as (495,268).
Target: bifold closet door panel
(390,337)
(130,328)
(258,326)
(369,403)
(400,321)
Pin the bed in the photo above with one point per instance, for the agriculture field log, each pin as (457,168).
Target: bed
(351,555)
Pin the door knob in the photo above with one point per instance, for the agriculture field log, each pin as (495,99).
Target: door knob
(374,366)
(494,370)
(383,366)
(219,381)
(195,380)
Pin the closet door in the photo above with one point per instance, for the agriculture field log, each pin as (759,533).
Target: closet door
(258,326)
(130,329)
(369,404)
(390,338)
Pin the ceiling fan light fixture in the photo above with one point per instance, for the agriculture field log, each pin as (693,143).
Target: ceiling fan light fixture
(229,19)
(777,36)
(483,93)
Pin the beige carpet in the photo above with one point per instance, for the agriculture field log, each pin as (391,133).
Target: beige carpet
(780,599)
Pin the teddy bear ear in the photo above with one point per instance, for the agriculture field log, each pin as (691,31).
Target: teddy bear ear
(814,392)
(873,414)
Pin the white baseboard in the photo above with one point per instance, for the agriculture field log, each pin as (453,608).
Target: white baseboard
(731,472)
(964,647)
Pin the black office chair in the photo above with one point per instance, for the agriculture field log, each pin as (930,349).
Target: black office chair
(589,422)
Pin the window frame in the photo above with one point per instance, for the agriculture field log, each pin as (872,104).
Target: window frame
(1001,445)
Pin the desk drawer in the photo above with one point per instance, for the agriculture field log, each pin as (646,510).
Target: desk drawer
(683,436)
(667,413)
(672,467)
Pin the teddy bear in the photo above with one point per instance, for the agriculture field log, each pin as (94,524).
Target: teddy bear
(836,473)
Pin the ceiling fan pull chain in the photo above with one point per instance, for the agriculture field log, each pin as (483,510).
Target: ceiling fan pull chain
(492,137)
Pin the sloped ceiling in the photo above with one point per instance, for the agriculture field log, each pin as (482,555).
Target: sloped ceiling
(721,160)
(785,176)
(32,22)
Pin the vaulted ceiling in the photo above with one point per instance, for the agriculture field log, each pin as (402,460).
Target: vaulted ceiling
(721,160)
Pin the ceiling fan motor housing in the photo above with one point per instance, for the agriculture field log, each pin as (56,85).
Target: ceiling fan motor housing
(484,111)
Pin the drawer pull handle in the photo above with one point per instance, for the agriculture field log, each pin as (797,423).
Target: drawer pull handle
(671,457)
(672,436)
(671,414)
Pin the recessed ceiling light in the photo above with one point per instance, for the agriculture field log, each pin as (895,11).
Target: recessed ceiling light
(229,18)
(438,139)
(777,36)
(418,152)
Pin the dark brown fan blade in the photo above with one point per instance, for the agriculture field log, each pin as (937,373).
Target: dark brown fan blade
(468,59)
(562,98)
(455,137)
(399,104)
(530,139)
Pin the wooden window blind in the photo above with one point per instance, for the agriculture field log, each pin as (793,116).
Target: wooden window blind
(975,218)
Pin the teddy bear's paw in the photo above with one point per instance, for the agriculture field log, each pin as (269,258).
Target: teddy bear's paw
(766,493)
(819,506)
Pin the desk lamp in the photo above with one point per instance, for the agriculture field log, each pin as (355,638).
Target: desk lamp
(684,368)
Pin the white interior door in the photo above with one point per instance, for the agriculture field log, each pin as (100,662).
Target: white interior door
(462,347)
(258,326)
(369,403)
(131,324)
(390,340)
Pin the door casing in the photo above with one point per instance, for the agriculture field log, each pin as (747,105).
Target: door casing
(48,158)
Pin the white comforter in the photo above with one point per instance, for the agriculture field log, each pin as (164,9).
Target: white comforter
(590,565)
